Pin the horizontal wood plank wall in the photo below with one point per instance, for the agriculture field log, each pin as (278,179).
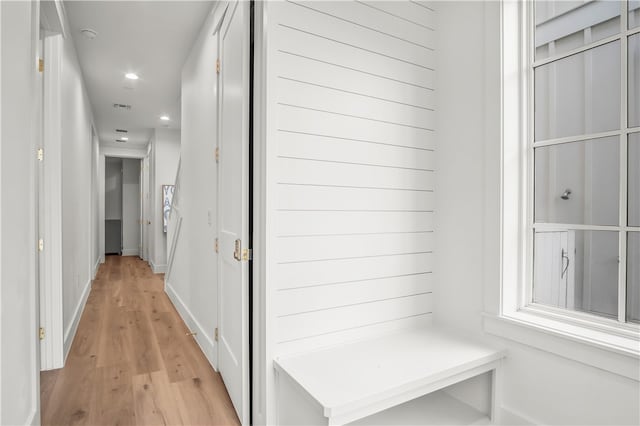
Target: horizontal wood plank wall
(351,147)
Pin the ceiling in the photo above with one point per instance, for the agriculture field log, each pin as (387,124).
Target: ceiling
(149,38)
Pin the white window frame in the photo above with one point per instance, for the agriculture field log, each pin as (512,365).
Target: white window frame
(602,342)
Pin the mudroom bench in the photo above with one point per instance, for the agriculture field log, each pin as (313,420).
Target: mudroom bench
(390,379)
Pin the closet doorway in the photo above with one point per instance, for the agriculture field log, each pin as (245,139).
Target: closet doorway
(122,207)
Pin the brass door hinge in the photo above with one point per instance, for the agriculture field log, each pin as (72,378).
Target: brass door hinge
(40,244)
(215,334)
(218,66)
(40,154)
(40,65)
(41,333)
(216,245)
(217,155)
(247,254)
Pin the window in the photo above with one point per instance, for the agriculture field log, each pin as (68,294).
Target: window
(570,182)
(584,154)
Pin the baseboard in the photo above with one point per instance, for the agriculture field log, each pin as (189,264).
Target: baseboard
(204,341)
(95,267)
(130,252)
(158,269)
(70,332)
(34,418)
(509,416)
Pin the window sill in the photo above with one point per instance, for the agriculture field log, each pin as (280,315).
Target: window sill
(614,353)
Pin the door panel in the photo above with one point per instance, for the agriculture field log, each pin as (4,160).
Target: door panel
(233,207)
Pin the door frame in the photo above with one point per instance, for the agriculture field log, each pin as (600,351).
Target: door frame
(51,315)
(228,9)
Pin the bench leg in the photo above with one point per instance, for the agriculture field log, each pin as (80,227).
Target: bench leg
(496,394)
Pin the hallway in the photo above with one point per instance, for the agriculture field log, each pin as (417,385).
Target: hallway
(132,361)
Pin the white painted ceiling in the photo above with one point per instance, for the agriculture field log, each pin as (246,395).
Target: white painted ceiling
(149,38)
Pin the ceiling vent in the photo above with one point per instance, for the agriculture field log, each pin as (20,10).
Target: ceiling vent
(122,106)
(122,131)
(121,140)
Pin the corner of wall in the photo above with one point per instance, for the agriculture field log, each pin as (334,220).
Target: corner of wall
(70,332)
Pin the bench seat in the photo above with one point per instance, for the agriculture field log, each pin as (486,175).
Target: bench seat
(348,382)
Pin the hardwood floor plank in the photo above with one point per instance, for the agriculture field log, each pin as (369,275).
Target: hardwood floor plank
(172,340)
(131,361)
(70,400)
(144,344)
(115,346)
(204,401)
(112,402)
(154,400)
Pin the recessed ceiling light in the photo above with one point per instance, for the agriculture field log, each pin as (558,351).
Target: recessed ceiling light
(164,117)
(131,76)
(88,33)
(124,138)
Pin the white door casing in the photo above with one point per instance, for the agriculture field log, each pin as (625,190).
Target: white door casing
(233,206)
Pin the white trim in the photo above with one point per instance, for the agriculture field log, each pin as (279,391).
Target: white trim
(130,252)
(70,332)
(34,417)
(51,298)
(601,350)
(207,345)
(99,260)
(110,151)
(263,380)
(158,269)
(569,335)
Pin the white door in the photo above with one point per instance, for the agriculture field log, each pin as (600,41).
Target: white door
(233,207)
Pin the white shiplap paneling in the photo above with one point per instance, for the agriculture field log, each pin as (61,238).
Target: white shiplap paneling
(351,137)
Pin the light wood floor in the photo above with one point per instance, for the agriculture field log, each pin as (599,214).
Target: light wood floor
(131,362)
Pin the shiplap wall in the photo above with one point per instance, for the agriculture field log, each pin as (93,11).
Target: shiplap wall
(351,141)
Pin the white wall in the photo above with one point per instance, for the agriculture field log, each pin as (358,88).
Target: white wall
(113,189)
(164,157)
(350,159)
(192,281)
(77,139)
(19,347)
(130,207)
(351,140)
(538,385)
(145,208)
(95,203)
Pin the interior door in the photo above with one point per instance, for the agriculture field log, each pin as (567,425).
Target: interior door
(233,205)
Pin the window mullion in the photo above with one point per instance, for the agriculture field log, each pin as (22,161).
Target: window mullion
(622,236)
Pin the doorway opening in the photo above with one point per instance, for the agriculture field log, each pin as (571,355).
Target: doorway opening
(122,203)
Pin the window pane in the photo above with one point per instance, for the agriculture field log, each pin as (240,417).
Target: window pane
(579,94)
(633,276)
(633,179)
(634,80)
(634,13)
(577,270)
(565,25)
(578,182)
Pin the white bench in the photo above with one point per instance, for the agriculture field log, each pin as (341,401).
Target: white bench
(384,375)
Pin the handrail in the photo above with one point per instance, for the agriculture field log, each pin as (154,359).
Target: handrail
(172,252)
(175,221)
